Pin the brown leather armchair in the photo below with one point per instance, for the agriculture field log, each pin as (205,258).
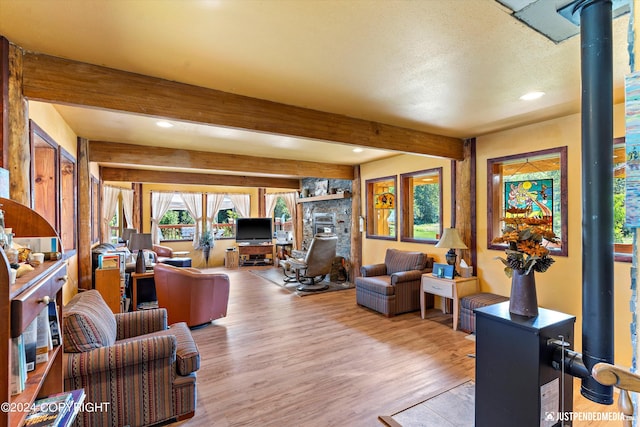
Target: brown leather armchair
(190,295)
(163,251)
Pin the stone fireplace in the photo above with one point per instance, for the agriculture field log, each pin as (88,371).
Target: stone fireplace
(323,222)
(334,214)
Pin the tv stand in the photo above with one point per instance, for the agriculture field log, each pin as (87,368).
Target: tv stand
(255,254)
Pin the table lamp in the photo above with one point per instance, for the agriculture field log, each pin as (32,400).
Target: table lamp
(127,233)
(451,239)
(139,242)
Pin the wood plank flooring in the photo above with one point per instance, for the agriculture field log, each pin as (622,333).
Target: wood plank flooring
(282,360)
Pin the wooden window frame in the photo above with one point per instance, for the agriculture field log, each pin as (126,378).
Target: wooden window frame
(69,238)
(494,203)
(369,185)
(38,136)
(406,193)
(95,210)
(622,252)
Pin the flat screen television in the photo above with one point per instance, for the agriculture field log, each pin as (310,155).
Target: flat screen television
(254,230)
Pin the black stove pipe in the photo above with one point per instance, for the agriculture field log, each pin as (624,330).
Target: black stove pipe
(597,191)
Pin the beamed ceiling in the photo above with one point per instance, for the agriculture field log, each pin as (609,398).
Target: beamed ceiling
(286,89)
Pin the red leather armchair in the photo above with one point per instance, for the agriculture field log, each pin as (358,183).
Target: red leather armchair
(190,295)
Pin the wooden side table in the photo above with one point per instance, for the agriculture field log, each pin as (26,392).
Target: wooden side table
(231,258)
(447,288)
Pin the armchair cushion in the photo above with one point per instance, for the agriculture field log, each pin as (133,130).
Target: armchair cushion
(135,323)
(88,323)
(398,260)
(187,355)
(377,284)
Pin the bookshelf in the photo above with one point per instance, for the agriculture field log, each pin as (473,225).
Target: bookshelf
(20,303)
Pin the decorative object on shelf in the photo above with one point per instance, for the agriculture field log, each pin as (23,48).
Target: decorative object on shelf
(205,243)
(139,242)
(321,187)
(526,238)
(451,239)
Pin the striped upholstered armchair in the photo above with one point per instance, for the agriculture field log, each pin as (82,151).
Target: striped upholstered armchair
(393,287)
(137,370)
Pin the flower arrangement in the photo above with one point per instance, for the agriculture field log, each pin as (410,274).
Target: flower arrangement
(527,238)
(206,240)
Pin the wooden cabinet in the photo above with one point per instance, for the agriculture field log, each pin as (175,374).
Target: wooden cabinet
(107,282)
(19,305)
(256,254)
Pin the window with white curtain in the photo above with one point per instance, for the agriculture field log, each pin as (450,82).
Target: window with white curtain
(225,218)
(177,224)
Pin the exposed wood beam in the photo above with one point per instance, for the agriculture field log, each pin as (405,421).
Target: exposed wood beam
(130,154)
(163,177)
(51,79)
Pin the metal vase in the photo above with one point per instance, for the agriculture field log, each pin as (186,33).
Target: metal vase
(523,300)
(206,251)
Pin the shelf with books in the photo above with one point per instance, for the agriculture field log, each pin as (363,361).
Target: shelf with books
(21,303)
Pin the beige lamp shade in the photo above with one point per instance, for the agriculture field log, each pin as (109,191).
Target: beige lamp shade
(451,239)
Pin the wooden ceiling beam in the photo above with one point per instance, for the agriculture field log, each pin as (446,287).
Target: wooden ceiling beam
(164,177)
(52,79)
(142,155)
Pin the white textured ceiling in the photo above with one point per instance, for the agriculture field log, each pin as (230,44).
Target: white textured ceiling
(451,67)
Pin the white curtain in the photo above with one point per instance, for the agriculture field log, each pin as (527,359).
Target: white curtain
(270,200)
(160,202)
(242,204)
(193,203)
(214,201)
(127,206)
(109,206)
(290,202)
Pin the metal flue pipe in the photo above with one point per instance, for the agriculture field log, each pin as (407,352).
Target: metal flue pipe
(597,191)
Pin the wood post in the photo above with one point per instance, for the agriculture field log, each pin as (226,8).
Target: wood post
(84,215)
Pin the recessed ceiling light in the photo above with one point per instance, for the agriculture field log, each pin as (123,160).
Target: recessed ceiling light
(358,150)
(531,96)
(164,124)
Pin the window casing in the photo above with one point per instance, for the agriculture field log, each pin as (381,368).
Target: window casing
(381,208)
(622,236)
(68,212)
(421,193)
(54,185)
(524,180)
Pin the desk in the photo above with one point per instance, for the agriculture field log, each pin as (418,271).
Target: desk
(447,288)
(134,286)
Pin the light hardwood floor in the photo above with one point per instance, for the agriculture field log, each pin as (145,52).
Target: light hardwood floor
(282,360)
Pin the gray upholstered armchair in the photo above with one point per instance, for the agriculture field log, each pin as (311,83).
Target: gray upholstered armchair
(393,287)
(317,263)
